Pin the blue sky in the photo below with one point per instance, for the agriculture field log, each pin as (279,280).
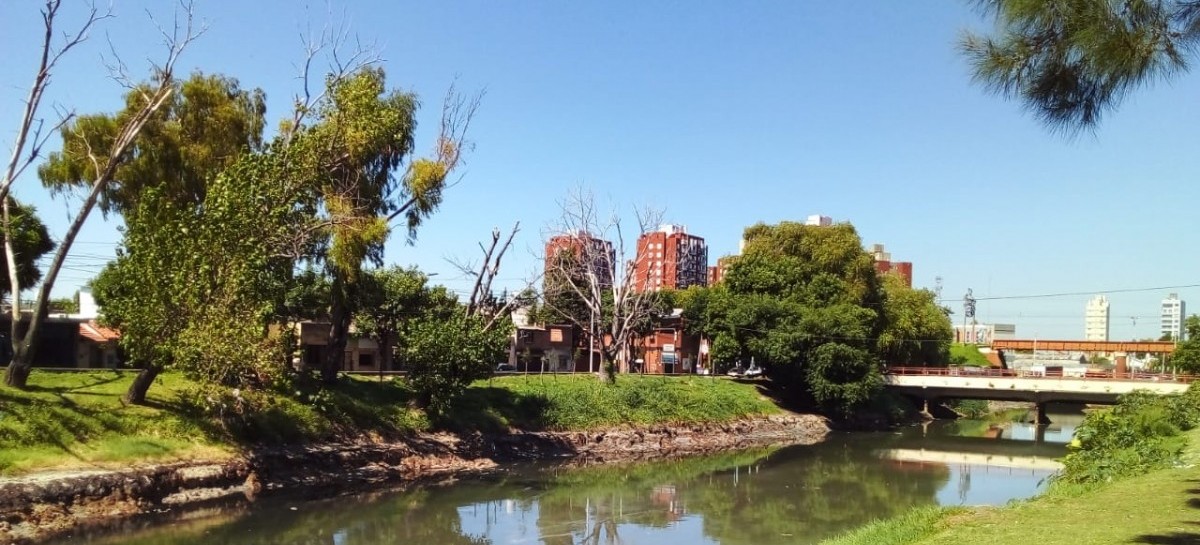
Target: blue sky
(725,115)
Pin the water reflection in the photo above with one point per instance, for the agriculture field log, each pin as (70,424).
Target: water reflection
(793,495)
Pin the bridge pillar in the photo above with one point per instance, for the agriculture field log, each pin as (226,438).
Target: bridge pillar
(1041,418)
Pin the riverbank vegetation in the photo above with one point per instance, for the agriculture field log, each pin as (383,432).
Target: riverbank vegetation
(79,420)
(1129,478)
(806,304)
(967,354)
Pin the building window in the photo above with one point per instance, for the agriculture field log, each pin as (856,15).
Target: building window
(366,360)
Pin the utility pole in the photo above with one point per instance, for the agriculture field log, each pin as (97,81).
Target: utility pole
(968,312)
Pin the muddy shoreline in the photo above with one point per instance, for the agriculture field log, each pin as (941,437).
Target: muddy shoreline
(41,506)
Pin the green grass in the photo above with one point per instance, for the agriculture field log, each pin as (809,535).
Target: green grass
(579,402)
(78,420)
(1160,507)
(967,354)
(903,530)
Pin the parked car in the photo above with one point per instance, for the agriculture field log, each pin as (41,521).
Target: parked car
(505,368)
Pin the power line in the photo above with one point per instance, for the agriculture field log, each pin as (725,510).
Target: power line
(1075,293)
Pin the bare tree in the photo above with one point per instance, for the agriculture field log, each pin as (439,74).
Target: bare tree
(104,162)
(592,266)
(481,302)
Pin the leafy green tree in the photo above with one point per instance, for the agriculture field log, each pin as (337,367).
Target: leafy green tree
(1069,61)
(360,137)
(446,356)
(219,276)
(307,297)
(32,241)
(66,305)
(160,189)
(388,300)
(917,330)
(806,304)
(1186,356)
(208,122)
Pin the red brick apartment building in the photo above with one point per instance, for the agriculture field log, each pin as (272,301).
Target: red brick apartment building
(595,255)
(670,258)
(717,272)
(884,264)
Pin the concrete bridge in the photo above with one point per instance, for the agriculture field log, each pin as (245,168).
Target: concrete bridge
(933,383)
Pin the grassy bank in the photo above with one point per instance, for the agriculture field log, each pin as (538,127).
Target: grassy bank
(967,354)
(1133,479)
(1159,507)
(77,420)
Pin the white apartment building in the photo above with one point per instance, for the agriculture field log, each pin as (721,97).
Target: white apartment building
(1173,312)
(1096,319)
(818,220)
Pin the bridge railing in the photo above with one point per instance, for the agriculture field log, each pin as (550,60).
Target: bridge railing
(1030,373)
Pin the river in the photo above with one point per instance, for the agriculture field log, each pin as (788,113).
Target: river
(791,495)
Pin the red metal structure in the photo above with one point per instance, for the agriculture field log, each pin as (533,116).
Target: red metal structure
(1149,347)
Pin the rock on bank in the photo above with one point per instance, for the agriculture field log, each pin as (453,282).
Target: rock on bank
(43,505)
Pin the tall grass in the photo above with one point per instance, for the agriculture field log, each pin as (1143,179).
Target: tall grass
(905,529)
(579,402)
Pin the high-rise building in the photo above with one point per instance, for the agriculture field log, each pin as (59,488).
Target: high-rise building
(1096,319)
(819,220)
(1173,312)
(884,264)
(670,258)
(580,254)
(717,272)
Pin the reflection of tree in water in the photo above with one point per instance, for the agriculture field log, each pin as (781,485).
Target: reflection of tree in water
(803,495)
(764,497)
(408,517)
(591,503)
(798,495)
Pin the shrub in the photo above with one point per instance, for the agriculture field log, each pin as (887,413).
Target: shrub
(444,358)
(1140,434)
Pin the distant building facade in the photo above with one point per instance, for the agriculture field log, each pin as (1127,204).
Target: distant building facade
(1173,311)
(590,254)
(670,258)
(819,220)
(884,264)
(550,348)
(717,272)
(983,334)
(1096,319)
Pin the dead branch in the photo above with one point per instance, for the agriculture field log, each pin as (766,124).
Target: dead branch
(600,269)
(106,163)
(334,41)
(48,59)
(452,144)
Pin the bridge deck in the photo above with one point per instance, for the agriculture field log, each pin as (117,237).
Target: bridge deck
(1007,384)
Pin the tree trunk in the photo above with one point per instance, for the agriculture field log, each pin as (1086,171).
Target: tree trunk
(21,364)
(17,373)
(609,364)
(340,316)
(136,395)
(385,352)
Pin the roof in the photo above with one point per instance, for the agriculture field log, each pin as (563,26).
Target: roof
(96,332)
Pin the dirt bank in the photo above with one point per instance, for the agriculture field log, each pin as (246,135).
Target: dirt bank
(40,506)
